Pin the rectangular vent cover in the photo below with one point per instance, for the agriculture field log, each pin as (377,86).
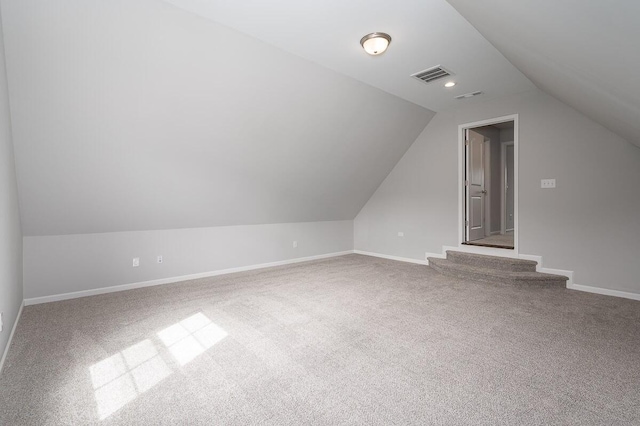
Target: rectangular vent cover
(469,95)
(432,74)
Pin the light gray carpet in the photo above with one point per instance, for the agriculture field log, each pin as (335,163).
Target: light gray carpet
(349,340)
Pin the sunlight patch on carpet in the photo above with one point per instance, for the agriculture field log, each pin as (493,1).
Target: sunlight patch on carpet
(191,337)
(119,379)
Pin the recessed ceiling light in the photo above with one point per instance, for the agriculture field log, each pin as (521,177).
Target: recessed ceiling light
(375,43)
(449,84)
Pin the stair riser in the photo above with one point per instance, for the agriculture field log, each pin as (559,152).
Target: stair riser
(499,264)
(497,280)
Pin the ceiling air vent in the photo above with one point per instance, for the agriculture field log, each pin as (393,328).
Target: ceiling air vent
(469,95)
(432,74)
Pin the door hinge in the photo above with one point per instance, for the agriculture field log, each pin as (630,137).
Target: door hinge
(466,183)
(466,143)
(466,222)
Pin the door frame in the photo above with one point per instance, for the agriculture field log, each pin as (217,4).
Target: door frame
(461,187)
(503,185)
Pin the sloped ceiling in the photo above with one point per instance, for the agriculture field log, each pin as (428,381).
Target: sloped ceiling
(584,53)
(136,115)
(425,33)
(156,114)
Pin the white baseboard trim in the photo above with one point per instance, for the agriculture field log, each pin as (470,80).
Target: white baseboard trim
(13,331)
(571,285)
(604,291)
(104,290)
(427,255)
(541,268)
(504,253)
(386,256)
(171,280)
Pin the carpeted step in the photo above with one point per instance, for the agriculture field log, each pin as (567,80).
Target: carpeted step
(492,262)
(477,273)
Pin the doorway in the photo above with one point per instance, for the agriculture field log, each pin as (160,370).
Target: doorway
(489,184)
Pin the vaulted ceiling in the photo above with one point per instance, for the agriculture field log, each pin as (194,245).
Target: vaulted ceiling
(156,114)
(425,33)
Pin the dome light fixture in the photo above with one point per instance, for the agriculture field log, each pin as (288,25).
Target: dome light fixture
(375,43)
(450,84)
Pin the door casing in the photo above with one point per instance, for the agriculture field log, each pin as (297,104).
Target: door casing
(461,179)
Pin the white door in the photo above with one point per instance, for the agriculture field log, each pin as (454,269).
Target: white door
(475,186)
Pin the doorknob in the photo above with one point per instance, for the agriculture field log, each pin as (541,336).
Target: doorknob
(484,191)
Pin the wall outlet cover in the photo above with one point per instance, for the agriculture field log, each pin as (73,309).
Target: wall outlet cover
(548,183)
(400,234)
(136,262)
(159,259)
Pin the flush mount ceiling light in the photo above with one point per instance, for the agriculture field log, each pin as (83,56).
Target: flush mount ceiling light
(375,43)
(450,84)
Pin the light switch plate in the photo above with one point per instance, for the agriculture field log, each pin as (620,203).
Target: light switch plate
(548,183)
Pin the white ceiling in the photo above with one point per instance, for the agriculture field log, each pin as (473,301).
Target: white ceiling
(425,33)
(585,53)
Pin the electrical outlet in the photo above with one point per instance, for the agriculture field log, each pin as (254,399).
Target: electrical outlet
(548,183)
(136,262)
(159,259)
(400,234)
(295,244)
(1,321)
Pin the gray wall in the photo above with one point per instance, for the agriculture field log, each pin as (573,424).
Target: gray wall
(589,223)
(153,131)
(10,232)
(137,115)
(67,263)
